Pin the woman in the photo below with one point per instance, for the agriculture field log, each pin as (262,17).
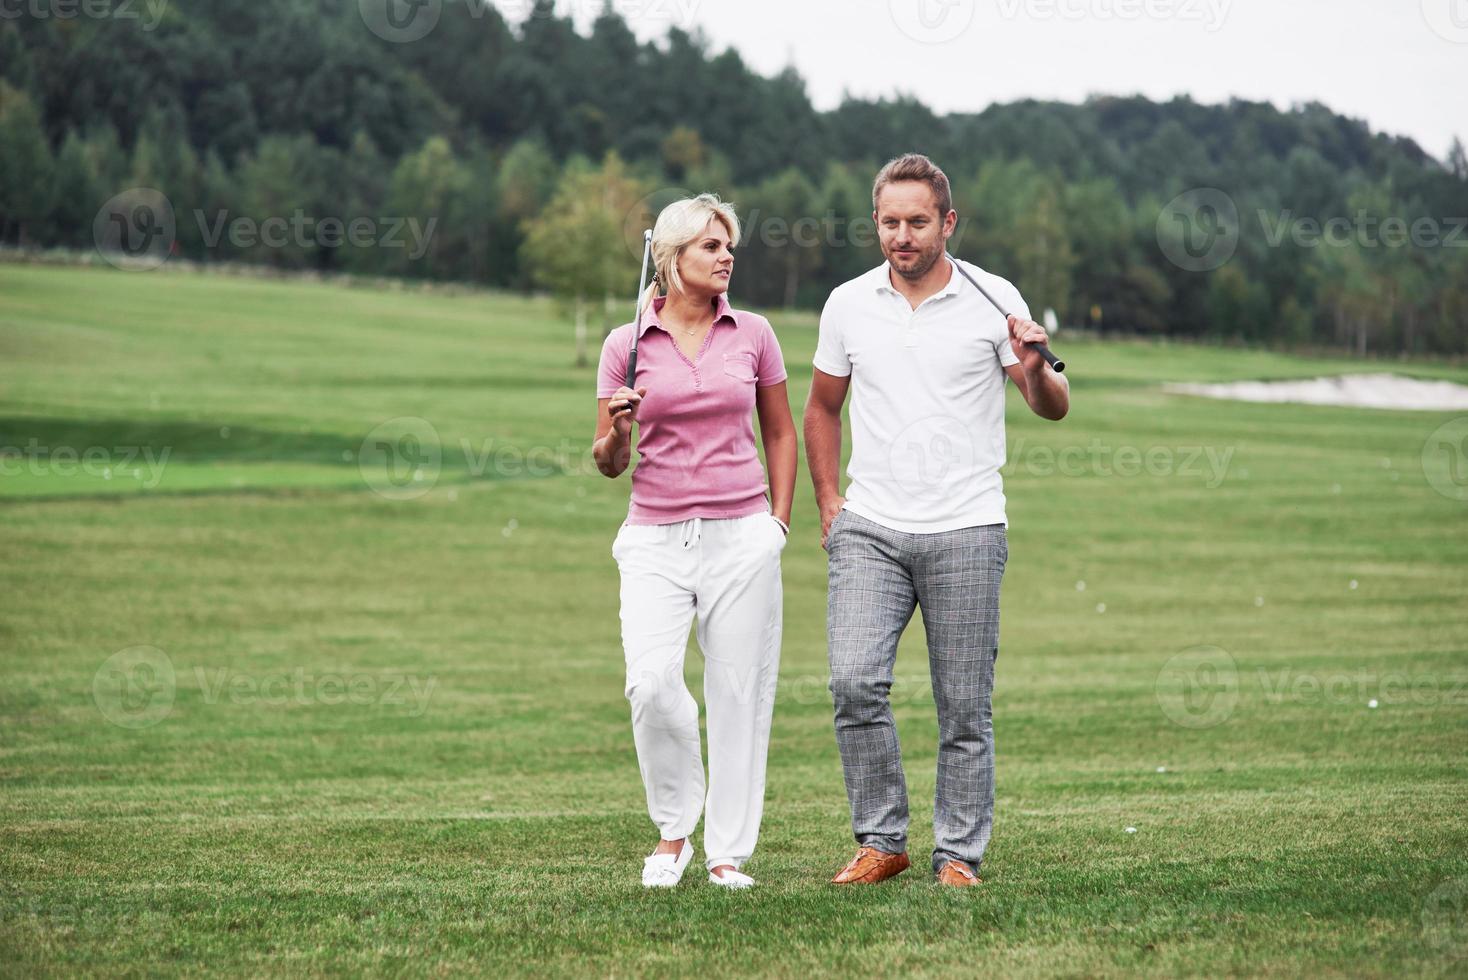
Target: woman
(700,535)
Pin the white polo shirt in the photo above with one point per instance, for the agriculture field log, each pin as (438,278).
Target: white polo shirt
(927,398)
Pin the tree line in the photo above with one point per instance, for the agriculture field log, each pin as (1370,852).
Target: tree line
(531,156)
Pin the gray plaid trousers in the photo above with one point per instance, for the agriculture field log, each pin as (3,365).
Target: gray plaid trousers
(877,577)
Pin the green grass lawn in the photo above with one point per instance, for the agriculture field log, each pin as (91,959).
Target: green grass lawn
(313,667)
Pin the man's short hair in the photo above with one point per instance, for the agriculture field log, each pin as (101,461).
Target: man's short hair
(915,166)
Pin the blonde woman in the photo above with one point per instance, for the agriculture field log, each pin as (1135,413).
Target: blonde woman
(703,537)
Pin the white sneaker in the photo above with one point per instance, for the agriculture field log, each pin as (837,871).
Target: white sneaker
(731,879)
(666,870)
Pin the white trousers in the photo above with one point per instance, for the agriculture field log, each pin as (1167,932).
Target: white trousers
(728,573)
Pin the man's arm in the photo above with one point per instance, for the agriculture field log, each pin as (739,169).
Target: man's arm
(823,443)
(1047,393)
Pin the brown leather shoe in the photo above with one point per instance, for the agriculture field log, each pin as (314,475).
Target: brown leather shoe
(958,874)
(871,866)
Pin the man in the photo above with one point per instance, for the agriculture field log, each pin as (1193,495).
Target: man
(922,523)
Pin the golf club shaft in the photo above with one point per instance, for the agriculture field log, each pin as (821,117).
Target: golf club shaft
(1056,364)
(637,316)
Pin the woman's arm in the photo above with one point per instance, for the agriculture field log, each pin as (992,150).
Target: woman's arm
(612,445)
(777,432)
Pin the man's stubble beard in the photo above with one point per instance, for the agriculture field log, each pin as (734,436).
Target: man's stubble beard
(924,267)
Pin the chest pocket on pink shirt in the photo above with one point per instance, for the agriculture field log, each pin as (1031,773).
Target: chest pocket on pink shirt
(740,367)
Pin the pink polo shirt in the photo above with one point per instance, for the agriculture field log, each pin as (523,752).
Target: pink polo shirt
(695,427)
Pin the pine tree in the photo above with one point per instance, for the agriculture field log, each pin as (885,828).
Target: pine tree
(77,195)
(26,184)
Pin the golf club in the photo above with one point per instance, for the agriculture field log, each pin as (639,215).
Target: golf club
(1056,364)
(637,317)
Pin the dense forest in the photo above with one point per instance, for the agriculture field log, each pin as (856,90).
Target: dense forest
(523,150)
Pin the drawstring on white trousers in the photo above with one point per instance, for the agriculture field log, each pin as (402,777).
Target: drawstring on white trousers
(692,530)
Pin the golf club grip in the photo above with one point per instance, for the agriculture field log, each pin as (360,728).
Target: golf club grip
(638,310)
(1056,364)
(631,377)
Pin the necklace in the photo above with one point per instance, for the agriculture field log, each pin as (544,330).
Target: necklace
(689,331)
(692,331)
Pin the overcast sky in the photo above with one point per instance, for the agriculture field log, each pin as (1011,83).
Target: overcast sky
(1402,65)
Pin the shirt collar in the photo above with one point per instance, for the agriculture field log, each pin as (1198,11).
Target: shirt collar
(881,280)
(652,316)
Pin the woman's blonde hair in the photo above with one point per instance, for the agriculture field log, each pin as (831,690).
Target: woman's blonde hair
(679,225)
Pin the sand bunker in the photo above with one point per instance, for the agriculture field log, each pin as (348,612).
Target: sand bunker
(1351,390)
